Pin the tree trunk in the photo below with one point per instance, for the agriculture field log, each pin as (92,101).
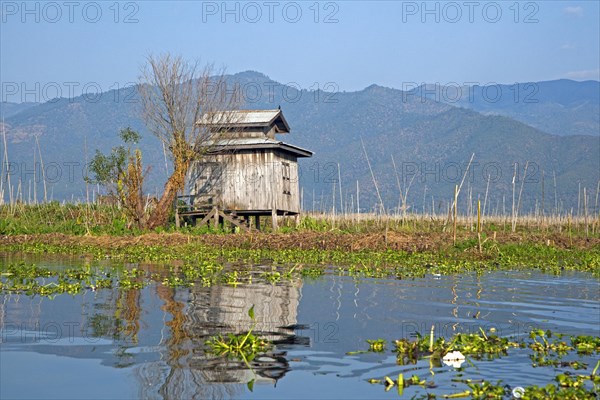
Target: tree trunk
(160,214)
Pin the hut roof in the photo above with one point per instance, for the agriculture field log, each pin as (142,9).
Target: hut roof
(246,118)
(237,144)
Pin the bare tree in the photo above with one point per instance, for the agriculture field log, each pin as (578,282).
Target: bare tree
(175,96)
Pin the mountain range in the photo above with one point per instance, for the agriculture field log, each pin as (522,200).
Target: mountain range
(544,134)
(561,107)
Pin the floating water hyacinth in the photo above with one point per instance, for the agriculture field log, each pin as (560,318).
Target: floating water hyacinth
(454,359)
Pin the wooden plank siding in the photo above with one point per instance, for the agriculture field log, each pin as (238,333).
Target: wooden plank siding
(259,180)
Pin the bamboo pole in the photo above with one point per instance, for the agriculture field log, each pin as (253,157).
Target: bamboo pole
(373,176)
(400,197)
(340,186)
(357,198)
(555,195)
(596,210)
(585,212)
(520,193)
(515,208)
(8,183)
(43,171)
(543,198)
(35,177)
(462,180)
(478,215)
(87,184)
(455,214)
(487,188)
(512,213)
(479,224)
(579,199)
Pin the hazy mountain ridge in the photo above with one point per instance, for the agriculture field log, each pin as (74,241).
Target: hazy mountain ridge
(8,109)
(561,107)
(431,139)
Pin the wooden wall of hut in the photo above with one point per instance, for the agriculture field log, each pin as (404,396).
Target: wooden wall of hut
(248,181)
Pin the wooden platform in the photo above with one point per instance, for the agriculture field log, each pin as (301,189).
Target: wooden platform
(212,214)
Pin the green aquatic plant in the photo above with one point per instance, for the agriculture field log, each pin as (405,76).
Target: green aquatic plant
(479,345)
(308,272)
(407,351)
(372,263)
(377,345)
(32,280)
(480,391)
(133,278)
(548,347)
(486,390)
(272,276)
(586,344)
(231,278)
(400,383)
(568,386)
(244,346)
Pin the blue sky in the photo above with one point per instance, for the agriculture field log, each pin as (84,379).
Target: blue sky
(61,45)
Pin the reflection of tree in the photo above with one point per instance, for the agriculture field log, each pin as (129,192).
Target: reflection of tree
(119,317)
(127,314)
(175,342)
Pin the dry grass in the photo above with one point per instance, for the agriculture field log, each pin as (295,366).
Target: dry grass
(333,240)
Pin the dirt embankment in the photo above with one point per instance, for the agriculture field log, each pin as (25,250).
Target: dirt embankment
(413,242)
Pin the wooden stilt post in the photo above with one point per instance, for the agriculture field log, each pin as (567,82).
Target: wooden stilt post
(257,222)
(216,218)
(274,219)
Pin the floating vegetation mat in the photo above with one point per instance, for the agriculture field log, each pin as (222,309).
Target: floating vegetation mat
(544,349)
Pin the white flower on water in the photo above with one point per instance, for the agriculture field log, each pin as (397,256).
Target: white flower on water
(454,359)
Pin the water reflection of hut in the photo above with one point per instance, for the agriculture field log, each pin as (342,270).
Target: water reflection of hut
(186,371)
(224,309)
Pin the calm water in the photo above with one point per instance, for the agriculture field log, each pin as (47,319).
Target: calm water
(148,343)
